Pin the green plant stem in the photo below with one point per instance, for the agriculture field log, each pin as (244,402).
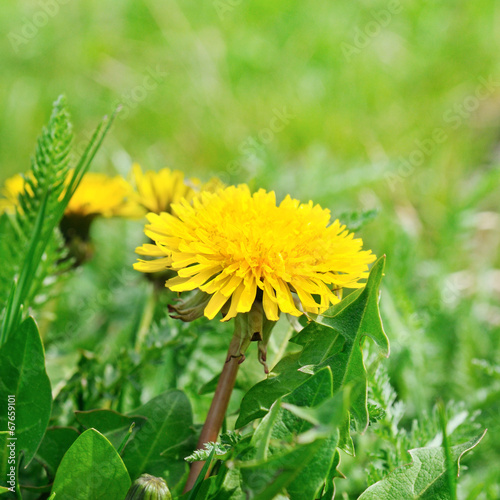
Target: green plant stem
(450,466)
(146,319)
(216,413)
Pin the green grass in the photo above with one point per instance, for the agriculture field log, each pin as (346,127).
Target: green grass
(218,85)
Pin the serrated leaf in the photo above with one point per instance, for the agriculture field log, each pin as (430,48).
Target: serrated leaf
(23,375)
(425,478)
(334,339)
(91,468)
(112,424)
(168,426)
(354,320)
(56,442)
(280,428)
(206,453)
(329,489)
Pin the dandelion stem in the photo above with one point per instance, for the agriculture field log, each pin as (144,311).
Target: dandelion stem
(216,413)
(146,319)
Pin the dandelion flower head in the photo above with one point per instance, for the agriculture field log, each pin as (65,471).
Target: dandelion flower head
(157,191)
(240,247)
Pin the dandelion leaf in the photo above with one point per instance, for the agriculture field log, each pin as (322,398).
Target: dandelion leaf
(333,339)
(425,478)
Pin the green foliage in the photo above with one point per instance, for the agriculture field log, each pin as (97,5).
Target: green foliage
(91,468)
(110,423)
(35,236)
(56,442)
(193,494)
(425,478)
(49,169)
(37,213)
(163,441)
(395,439)
(23,375)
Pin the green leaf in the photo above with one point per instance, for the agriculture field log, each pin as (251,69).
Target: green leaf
(311,480)
(311,393)
(3,490)
(425,478)
(91,468)
(159,447)
(329,419)
(262,435)
(334,339)
(259,399)
(326,418)
(281,428)
(112,424)
(55,444)
(23,375)
(263,480)
(355,319)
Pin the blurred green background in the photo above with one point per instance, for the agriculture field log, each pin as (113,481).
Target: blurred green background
(356,105)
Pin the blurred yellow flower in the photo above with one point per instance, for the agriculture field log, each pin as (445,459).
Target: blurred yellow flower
(96,195)
(101,195)
(243,248)
(157,191)
(13,187)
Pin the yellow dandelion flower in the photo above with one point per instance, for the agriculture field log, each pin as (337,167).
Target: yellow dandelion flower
(157,191)
(9,194)
(242,248)
(101,195)
(96,195)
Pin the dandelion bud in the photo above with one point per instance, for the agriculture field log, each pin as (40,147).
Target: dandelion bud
(149,488)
